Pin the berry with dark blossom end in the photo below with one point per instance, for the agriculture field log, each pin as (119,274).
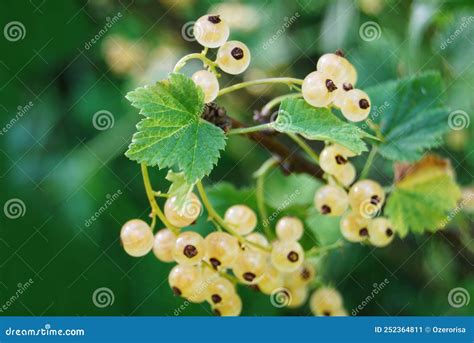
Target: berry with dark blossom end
(211,31)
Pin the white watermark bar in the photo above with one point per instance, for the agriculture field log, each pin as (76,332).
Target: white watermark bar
(254,329)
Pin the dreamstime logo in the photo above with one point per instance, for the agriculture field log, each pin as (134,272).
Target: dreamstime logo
(370,31)
(458,120)
(368,209)
(376,289)
(103,120)
(280,297)
(103,297)
(281,120)
(466,21)
(458,297)
(188,31)
(288,21)
(191,208)
(14,208)
(14,31)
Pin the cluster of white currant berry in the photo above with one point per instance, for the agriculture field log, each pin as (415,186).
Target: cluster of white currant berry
(333,83)
(203,264)
(365,198)
(233,57)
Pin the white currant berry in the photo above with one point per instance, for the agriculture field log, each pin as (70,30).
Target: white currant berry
(355,105)
(300,277)
(233,57)
(185,215)
(137,237)
(346,174)
(163,245)
(230,307)
(287,256)
(183,279)
(211,31)
(298,296)
(366,197)
(340,312)
(341,94)
(381,232)
(354,227)
(338,68)
(249,266)
(289,229)
(221,249)
(241,218)
(331,200)
(220,291)
(325,302)
(333,158)
(318,89)
(207,81)
(200,291)
(271,280)
(257,238)
(189,248)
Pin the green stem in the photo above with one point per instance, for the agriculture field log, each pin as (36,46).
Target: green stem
(196,56)
(155,209)
(272,103)
(214,215)
(303,145)
(315,251)
(368,163)
(250,129)
(260,194)
(229,277)
(285,80)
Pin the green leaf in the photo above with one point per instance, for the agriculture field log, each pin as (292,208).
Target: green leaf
(297,116)
(173,133)
(411,115)
(422,199)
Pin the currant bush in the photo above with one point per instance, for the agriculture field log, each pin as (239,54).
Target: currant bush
(246,245)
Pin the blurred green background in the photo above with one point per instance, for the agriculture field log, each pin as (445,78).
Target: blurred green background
(66,125)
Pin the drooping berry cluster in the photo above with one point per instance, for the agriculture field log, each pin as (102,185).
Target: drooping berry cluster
(233,57)
(333,83)
(365,199)
(208,269)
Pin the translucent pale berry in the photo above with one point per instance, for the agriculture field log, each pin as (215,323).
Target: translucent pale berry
(257,238)
(355,105)
(183,279)
(325,302)
(289,229)
(249,266)
(331,200)
(354,227)
(346,174)
(163,245)
(333,158)
(189,248)
(233,57)
(300,277)
(271,280)
(241,218)
(287,256)
(221,249)
(185,215)
(318,89)
(341,94)
(211,31)
(220,291)
(230,307)
(338,67)
(200,291)
(137,237)
(207,81)
(298,296)
(381,232)
(366,197)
